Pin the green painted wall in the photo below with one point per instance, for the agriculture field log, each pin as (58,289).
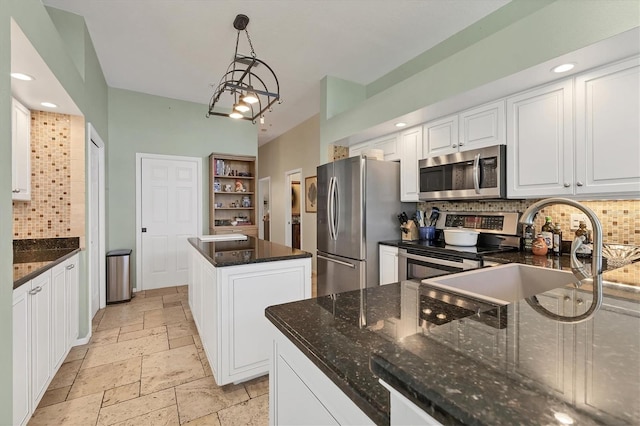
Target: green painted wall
(63,57)
(140,123)
(541,34)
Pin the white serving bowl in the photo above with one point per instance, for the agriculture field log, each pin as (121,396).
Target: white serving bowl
(461,237)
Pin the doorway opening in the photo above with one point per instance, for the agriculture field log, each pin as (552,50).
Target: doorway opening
(264,212)
(293,218)
(96,241)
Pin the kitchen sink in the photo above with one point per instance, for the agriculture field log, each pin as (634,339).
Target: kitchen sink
(503,284)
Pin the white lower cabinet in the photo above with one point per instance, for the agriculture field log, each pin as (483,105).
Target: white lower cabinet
(388,264)
(21,354)
(301,394)
(228,306)
(405,412)
(45,326)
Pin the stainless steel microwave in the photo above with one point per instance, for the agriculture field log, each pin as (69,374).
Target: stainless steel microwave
(469,175)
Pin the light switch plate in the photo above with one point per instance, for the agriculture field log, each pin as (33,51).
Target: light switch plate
(577,217)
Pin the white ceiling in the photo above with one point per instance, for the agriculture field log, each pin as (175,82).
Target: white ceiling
(179,48)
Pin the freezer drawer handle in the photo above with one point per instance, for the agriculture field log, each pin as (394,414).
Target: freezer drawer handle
(350,265)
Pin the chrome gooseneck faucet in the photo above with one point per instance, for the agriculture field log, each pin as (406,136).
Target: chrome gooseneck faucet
(577,267)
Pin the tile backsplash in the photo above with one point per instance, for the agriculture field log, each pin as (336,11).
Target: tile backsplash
(49,213)
(620,218)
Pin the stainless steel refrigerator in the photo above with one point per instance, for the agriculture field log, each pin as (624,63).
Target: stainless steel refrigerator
(358,204)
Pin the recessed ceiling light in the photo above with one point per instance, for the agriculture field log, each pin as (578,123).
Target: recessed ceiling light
(401,124)
(21,76)
(563,68)
(48,105)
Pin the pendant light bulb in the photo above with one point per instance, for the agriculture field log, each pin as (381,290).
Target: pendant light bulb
(250,97)
(235,114)
(241,106)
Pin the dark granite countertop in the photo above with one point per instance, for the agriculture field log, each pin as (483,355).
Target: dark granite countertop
(243,252)
(496,367)
(32,257)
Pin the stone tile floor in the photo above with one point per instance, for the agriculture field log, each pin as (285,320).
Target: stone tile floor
(145,365)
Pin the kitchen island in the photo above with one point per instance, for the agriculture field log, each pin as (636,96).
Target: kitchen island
(457,363)
(230,285)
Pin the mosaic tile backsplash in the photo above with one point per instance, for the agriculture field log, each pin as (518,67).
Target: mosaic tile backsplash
(620,219)
(48,213)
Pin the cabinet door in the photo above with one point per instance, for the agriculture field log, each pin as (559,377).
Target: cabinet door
(388,264)
(21,151)
(40,296)
(58,315)
(411,153)
(540,142)
(483,126)
(359,148)
(441,137)
(21,354)
(388,144)
(72,280)
(608,130)
(542,349)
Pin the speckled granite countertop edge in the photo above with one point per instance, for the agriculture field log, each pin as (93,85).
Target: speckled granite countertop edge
(380,418)
(21,281)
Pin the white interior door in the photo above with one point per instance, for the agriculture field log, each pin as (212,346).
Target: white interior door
(169,215)
(94,239)
(97,293)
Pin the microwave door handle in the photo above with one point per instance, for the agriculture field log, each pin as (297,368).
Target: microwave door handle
(476,173)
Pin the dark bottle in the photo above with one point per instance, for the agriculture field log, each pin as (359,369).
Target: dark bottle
(585,249)
(557,240)
(547,233)
(528,235)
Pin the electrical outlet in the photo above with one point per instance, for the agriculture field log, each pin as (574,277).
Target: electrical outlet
(577,217)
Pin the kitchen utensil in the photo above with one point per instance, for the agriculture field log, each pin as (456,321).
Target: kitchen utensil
(433,218)
(400,219)
(461,237)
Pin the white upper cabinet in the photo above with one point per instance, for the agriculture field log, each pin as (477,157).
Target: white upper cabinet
(21,151)
(608,130)
(540,142)
(482,127)
(479,127)
(441,137)
(388,144)
(410,154)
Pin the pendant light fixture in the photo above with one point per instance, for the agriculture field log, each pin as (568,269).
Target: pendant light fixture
(247,80)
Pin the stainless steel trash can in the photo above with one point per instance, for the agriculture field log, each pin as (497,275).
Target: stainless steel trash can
(118,276)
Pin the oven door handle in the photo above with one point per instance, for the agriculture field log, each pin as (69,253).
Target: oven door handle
(476,173)
(465,264)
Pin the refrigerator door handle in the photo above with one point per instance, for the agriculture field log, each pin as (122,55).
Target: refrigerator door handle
(336,208)
(339,262)
(330,209)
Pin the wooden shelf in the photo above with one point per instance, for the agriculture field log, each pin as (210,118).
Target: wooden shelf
(235,164)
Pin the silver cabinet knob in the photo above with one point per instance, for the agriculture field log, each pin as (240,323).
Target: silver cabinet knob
(567,184)
(580,302)
(71,266)
(567,298)
(15,191)
(461,143)
(579,183)
(454,145)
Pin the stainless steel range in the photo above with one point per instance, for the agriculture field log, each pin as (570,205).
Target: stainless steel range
(426,259)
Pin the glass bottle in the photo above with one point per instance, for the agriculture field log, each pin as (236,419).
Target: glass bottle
(547,232)
(528,235)
(557,240)
(582,230)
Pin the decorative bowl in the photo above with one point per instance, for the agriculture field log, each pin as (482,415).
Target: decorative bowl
(620,254)
(460,237)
